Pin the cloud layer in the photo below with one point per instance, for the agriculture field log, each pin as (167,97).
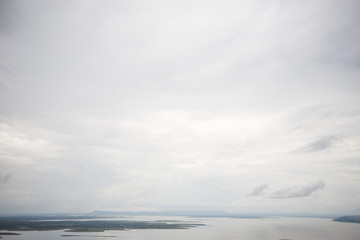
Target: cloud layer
(164,105)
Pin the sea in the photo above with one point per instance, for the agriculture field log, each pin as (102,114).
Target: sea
(269,228)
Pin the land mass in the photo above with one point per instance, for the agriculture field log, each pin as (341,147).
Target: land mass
(29,224)
(8,234)
(206,213)
(350,219)
(71,235)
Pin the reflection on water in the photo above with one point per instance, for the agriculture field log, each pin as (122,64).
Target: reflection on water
(218,228)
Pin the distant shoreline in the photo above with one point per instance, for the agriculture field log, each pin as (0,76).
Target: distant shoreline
(348,219)
(8,234)
(73,235)
(36,224)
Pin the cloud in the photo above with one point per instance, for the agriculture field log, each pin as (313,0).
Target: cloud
(176,100)
(320,145)
(6,19)
(19,146)
(5,70)
(5,177)
(259,190)
(299,192)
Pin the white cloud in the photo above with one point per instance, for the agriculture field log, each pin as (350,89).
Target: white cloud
(19,148)
(159,104)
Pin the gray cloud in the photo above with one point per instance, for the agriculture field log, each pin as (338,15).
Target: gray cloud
(299,192)
(7,16)
(4,16)
(5,177)
(320,145)
(259,190)
(5,70)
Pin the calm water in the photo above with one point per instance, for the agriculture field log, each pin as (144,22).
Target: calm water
(221,229)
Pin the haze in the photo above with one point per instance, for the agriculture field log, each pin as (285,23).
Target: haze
(241,106)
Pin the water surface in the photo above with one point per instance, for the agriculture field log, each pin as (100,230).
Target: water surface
(218,229)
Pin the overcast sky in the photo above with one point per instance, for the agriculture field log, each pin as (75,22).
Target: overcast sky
(242,106)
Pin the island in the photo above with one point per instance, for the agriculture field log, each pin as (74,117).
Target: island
(8,234)
(349,219)
(72,225)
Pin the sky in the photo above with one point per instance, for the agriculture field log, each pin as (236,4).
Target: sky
(239,106)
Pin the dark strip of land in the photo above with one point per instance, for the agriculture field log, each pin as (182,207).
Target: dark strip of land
(350,219)
(72,235)
(8,234)
(19,224)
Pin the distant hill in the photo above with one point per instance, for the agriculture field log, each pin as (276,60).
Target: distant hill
(204,213)
(350,219)
(160,213)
